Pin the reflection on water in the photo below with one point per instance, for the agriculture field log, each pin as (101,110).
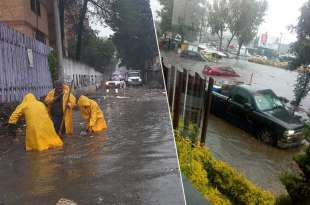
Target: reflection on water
(134,162)
(260,162)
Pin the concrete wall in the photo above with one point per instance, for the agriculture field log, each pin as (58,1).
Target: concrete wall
(85,78)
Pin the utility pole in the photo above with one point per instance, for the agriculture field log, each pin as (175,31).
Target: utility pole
(61,73)
(279,42)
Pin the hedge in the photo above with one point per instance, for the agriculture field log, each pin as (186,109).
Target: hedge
(217,181)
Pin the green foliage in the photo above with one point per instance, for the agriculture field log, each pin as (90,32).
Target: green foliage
(298,184)
(52,64)
(302,46)
(218,182)
(306,131)
(166,15)
(284,200)
(97,52)
(191,132)
(302,87)
(218,18)
(134,35)
(248,19)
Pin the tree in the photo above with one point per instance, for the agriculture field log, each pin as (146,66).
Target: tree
(301,48)
(97,52)
(233,22)
(218,18)
(78,13)
(302,87)
(80,30)
(166,15)
(188,18)
(298,183)
(251,15)
(134,35)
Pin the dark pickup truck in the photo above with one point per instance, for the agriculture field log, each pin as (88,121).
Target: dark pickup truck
(258,111)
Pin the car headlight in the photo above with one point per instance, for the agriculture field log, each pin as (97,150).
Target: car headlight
(106,83)
(129,80)
(289,132)
(140,80)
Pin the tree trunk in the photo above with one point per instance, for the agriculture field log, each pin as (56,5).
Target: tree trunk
(232,37)
(80,30)
(239,48)
(221,40)
(62,23)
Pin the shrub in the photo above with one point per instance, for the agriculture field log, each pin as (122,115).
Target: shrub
(52,64)
(298,184)
(218,182)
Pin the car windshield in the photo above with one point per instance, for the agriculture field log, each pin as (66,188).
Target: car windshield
(228,69)
(267,100)
(135,74)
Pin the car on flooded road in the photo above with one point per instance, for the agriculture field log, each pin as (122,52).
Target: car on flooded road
(134,77)
(225,71)
(193,55)
(259,111)
(116,82)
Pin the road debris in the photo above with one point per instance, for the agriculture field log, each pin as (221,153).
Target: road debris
(63,201)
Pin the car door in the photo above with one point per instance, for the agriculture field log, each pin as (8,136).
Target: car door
(237,107)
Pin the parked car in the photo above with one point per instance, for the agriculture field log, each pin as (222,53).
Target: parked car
(225,71)
(259,111)
(194,55)
(118,76)
(116,82)
(134,77)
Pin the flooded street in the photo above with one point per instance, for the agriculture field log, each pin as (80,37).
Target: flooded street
(261,163)
(134,162)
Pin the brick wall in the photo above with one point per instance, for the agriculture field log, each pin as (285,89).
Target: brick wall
(18,14)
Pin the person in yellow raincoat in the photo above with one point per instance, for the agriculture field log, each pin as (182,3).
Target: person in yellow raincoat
(93,115)
(40,132)
(56,101)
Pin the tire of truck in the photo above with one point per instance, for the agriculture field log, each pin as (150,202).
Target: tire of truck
(266,136)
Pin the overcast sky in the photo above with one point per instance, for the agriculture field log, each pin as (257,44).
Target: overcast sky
(280,14)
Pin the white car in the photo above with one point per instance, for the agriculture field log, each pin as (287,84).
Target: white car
(115,86)
(134,77)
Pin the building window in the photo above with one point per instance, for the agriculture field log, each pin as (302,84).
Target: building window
(35,7)
(40,36)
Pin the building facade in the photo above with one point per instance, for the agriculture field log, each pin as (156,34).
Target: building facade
(30,17)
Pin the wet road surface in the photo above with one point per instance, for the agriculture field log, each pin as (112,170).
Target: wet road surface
(134,162)
(261,163)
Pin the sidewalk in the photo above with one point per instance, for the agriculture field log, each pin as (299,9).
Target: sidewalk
(133,163)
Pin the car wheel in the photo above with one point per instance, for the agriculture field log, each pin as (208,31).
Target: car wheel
(266,136)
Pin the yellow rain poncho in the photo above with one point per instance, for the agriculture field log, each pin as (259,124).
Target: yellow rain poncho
(40,132)
(92,113)
(68,115)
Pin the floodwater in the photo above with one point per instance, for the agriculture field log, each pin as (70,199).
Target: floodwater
(134,162)
(261,163)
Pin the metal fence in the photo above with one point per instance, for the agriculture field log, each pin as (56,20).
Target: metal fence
(189,101)
(23,66)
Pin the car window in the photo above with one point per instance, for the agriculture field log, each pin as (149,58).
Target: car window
(136,74)
(228,69)
(191,53)
(242,97)
(266,100)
